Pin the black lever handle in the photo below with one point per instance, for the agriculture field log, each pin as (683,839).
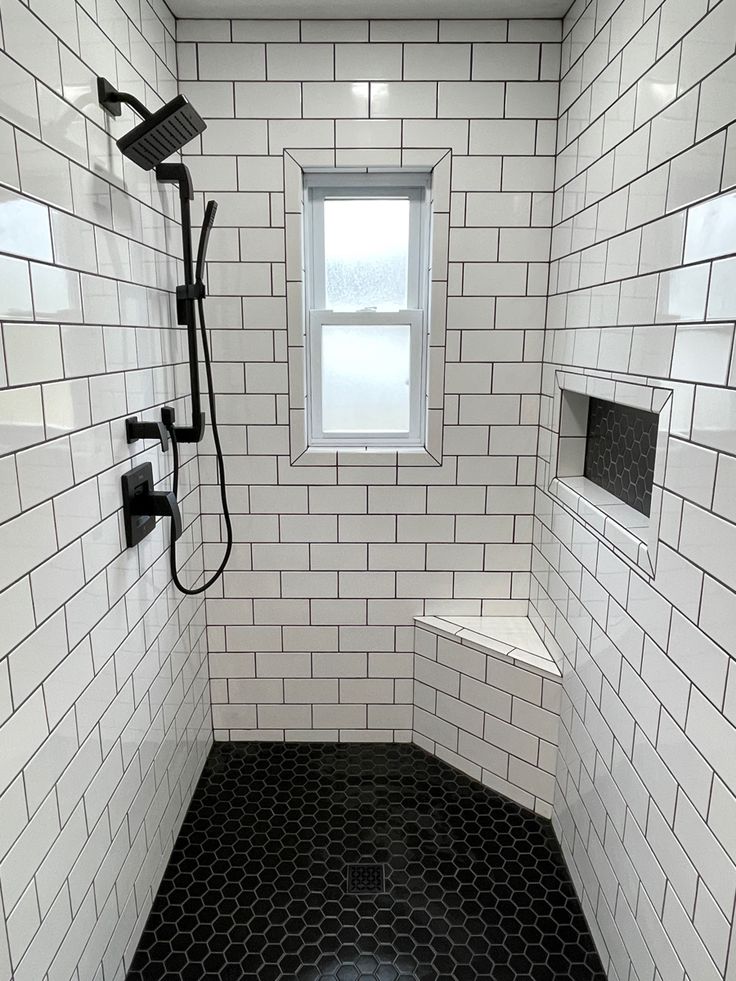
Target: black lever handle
(163,504)
(134,429)
(142,505)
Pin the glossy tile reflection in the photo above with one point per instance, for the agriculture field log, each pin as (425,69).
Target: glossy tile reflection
(256,886)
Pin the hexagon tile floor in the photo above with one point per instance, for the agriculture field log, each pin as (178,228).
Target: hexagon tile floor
(257,886)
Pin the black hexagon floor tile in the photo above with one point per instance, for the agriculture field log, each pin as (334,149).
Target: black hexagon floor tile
(256,888)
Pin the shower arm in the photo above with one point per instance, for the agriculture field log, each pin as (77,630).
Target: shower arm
(111,100)
(187,295)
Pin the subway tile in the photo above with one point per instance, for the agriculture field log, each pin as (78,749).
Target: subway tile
(31,43)
(283,134)
(682,295)
(301,62)
(44,173)
(403,30)
(335,30)
(27,540)
(18,103)
(22,923)
(212,99)
(366,62)
(532,100)
(505,62)
(22,734)
(24,227)
(707,540)
(706,46)
(252,30)
(421,62)
(696,174)
(56,294)
(33,353)
(473,30)
(711,229)
(334,99)
(502,136)
(714,410)
(403,99)
(701,353)
(715,91)
(62,127)
(16,300)
(720,298)
(17,867)
(8,158)
(233,61)
(284,99)
(44,472)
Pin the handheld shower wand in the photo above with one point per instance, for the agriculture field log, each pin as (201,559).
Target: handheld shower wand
(167,415)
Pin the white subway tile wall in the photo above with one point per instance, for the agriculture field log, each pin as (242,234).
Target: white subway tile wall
(629,170)
(334,558)
(644,222)
(104,697)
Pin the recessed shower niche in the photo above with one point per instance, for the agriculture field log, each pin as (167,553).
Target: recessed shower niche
(609,450)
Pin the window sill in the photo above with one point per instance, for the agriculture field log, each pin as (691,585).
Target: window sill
(366,456)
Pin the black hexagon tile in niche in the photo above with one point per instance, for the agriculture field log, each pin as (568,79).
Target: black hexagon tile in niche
(620,451)
(475,886)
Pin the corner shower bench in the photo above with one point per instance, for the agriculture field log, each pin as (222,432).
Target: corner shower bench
(487,700)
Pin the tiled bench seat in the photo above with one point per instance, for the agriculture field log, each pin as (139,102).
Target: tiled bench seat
(487,700)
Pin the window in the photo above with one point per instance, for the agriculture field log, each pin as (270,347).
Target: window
(367,282)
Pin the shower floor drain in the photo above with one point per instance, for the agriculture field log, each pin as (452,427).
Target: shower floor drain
(366,879)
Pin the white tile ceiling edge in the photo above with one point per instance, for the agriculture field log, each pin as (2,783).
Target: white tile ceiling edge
(363,9)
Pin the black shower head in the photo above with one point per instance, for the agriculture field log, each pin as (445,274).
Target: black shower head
(162,133)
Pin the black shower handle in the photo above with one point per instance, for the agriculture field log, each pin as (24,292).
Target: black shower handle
(134,430)
(162,504)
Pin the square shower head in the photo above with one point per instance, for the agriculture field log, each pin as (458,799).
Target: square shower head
(167,130)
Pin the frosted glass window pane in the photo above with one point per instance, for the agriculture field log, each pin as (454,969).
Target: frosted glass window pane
(366,253)
(365,378)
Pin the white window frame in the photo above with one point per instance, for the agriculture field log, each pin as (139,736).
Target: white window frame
(414,186)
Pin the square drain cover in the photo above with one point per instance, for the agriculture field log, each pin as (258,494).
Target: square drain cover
(367,878)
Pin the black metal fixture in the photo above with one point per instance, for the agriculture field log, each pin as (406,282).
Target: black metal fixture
(148,145)
(135,430)
(187,294)
(142,505)
(160,134)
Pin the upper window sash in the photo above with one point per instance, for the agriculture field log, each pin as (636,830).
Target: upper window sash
(411,187)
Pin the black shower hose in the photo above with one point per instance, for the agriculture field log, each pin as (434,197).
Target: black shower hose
(220,471)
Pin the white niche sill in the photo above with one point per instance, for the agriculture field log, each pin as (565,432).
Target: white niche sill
(507,638)
(622,526)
